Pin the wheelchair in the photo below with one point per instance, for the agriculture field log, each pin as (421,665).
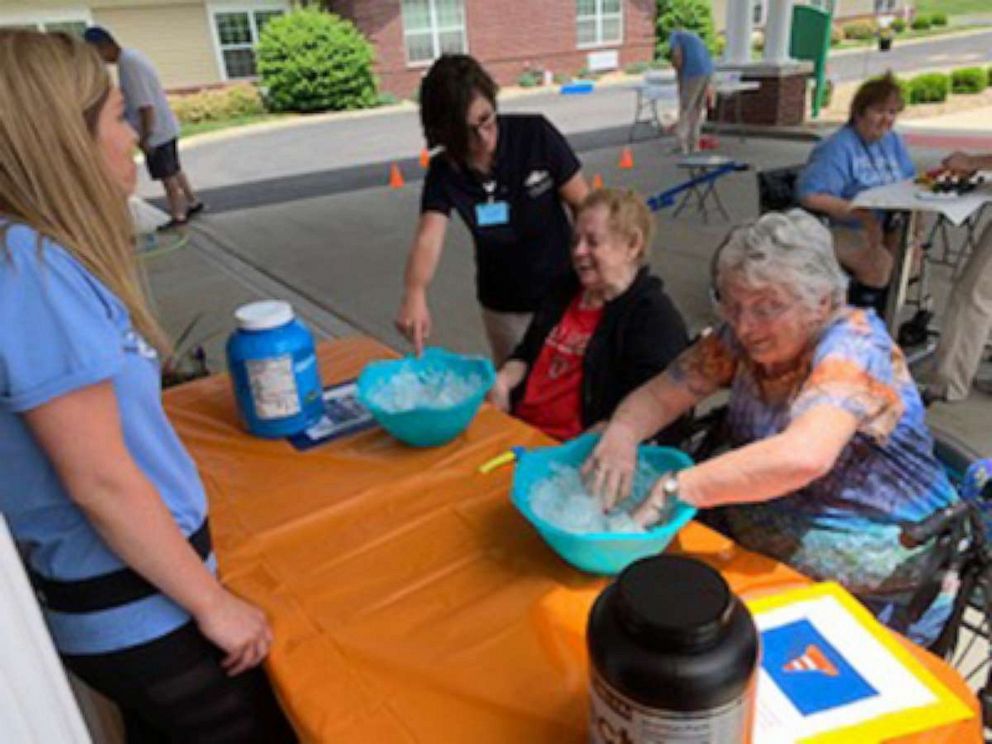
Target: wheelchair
(963,532)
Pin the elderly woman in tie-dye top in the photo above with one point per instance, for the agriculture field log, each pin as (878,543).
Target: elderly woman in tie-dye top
(830,448)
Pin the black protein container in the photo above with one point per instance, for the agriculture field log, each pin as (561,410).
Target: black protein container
(673,654)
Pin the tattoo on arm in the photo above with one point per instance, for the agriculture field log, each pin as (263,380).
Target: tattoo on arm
(688,370)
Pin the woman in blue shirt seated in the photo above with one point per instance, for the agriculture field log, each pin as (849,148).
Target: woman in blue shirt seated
(102,499)
(862,154)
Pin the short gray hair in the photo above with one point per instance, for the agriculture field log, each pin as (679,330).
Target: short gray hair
(791,250)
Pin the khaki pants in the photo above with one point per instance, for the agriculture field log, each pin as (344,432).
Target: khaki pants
(966,324)
(692,112)
(504,331)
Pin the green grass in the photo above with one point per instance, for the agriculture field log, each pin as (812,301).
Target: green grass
(907,34)
(187,130)
(953,7)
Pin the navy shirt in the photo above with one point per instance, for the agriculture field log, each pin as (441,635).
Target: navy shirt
(64,330)
(517,261)
(696,59)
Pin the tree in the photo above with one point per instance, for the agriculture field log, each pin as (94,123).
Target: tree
(692,15)
(310,60)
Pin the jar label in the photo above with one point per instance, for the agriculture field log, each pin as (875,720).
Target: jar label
(616,719)
(273,387)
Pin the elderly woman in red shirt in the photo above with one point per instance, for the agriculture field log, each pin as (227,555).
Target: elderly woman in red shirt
(601,333)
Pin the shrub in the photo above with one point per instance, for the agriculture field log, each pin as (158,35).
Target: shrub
(636,68)
(719,45)
(529,79)
(931,87)
(938,19)
(220,104)
(859,30)
(969,80)
(836,35)
(905,90)
(898,25)
(692,15)
(990,75)
(315,61)
(386,98)
(242,100)
(921,23)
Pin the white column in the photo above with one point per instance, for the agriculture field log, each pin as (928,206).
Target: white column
(778,27)
(740,24)
(36,705)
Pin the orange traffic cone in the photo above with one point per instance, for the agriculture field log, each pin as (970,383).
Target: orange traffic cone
(626,159)
(425,158)
(395,177)
(597,181)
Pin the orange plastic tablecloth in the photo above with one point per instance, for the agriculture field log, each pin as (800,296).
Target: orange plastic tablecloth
(410,601)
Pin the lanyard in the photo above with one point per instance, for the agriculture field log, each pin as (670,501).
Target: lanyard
(874,165)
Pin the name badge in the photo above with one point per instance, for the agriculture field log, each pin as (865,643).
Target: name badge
(492,213)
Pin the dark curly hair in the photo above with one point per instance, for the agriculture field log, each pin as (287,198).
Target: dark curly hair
(446,92)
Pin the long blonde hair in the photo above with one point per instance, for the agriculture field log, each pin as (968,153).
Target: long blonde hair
(52,175)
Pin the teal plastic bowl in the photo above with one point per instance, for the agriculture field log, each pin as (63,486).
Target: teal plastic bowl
(597,552)
(426,426)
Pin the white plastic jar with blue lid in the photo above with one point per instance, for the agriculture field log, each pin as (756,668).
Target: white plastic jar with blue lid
(273,366)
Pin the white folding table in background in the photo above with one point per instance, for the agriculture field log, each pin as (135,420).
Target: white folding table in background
(657,88)
(907,196)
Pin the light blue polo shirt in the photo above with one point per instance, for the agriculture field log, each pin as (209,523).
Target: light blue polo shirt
(62,330)
(844,165)
(696,58)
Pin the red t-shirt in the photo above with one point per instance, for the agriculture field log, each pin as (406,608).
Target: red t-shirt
(552,400)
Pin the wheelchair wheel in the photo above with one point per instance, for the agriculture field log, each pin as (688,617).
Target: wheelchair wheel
(970,653)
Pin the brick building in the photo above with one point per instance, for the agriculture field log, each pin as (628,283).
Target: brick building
(508,37)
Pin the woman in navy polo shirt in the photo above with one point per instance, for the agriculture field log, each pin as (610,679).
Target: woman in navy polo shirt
(102,499)
(507,176)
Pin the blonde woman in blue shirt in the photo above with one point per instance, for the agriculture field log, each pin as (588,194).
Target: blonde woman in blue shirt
(99,493)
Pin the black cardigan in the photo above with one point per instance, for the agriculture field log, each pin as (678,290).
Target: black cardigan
(638,336)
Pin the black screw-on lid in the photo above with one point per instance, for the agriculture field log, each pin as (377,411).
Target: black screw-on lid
(673,602)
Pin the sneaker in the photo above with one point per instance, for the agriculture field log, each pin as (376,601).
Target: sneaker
(932,394)
(172,224)
(194,209)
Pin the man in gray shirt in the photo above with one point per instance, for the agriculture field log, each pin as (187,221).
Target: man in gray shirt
(147,110)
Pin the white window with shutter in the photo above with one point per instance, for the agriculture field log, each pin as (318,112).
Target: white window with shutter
(432,28)
(598,23)
(236,30)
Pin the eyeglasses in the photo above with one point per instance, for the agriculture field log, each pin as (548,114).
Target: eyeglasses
(763,311)
(487,122)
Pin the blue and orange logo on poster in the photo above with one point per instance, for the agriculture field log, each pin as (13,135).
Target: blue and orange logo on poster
(809,670)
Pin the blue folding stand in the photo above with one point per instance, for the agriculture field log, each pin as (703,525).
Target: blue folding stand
(702,186)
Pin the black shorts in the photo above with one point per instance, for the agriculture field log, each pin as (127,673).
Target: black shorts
(163,161)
